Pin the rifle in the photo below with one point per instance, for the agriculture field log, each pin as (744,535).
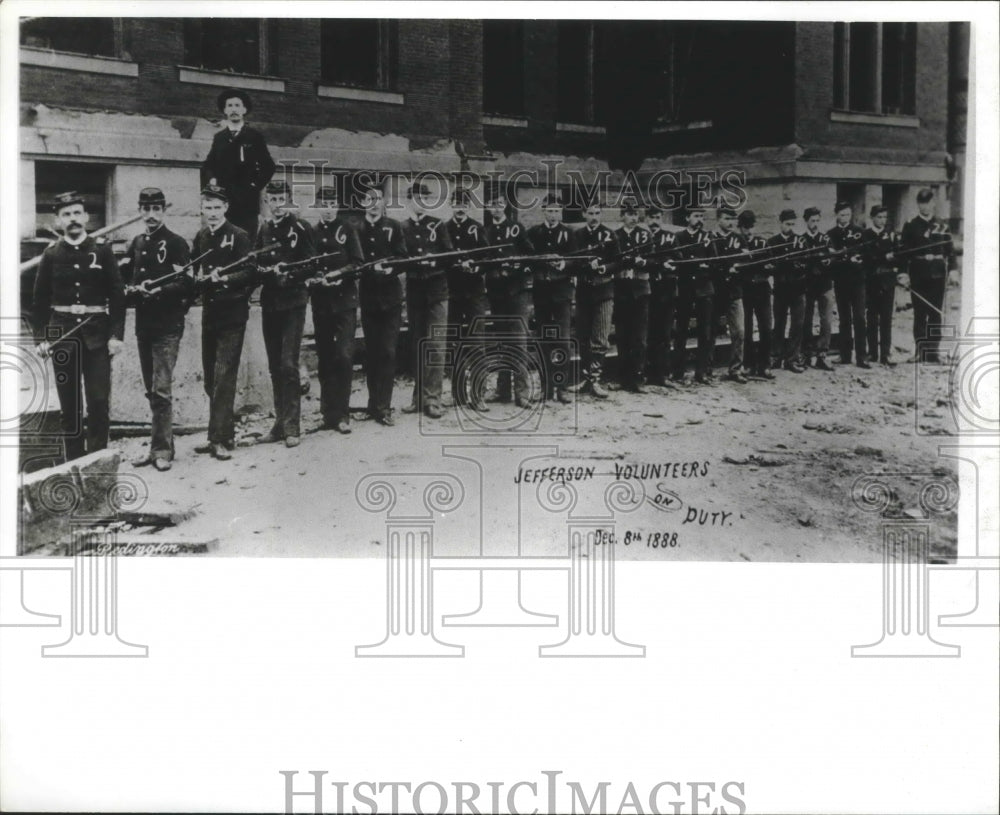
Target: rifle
(203,281)
(803,254)
(915,250)
(300,270)
(104,230)
(47,352)
(154,286)
(397,266)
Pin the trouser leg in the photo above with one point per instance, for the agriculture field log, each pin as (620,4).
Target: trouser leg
(685,308)
(734,323)
(226,352)
(845,322)
(67,362)
(158,356)
(97,389)
(796,327)
(706,335)
(859,317)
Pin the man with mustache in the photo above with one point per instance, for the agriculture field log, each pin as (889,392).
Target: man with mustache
(239,161)
(79,288)
(159,316)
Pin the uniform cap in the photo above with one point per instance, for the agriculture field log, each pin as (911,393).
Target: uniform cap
(243,96)
(629,206)
(843,205)
(878,209)
(723,211)
(460,198)
(925,195)
(327,195)
(418,190)
(215,191)
(810,212)
(66,199)
(152,195)
(278,188)
(747,218)
(693,209)
(788,215)
(653,210)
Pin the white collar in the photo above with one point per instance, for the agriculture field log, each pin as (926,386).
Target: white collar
(72,242)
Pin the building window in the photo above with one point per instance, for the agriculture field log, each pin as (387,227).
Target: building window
(583,62)
(236,45)
(875,67)
(503,67)
(94,36)
(688,50)
(53,177)
(359,53)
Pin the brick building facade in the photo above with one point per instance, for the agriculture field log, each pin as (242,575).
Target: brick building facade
(807,112)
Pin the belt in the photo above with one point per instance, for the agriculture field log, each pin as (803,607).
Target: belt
(77,308)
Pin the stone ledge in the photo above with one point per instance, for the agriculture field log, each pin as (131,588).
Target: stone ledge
(44,58)
(224,79)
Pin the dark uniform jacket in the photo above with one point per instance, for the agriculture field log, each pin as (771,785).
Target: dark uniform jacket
(724,244)
(695,246)
(379,241)
(877,246)
(757,275)
(661,239)
(920,232)
(787,273)
(151,256)
(559,240)
(846,238)
(469,234)
(82,275)
(242,164)
(638,284)
(818,268)
(227,303)
(427,235)
(337,236)
(295,242)
(600,241)
(507,280)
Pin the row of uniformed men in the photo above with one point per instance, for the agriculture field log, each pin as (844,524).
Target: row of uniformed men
(79,287)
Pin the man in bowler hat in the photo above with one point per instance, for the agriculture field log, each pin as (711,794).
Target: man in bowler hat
(239,161)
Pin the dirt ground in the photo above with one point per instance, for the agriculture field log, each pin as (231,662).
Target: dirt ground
(757,472)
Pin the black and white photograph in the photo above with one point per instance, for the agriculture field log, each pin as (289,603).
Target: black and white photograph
(516,328)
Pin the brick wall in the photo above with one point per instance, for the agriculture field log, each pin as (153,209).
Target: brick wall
(814,63)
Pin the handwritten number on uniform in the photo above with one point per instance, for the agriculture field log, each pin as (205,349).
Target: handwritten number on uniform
(388,232)
(513,231)
(161,252)
(227,240)
(293,236)
(93,261)
(339,236)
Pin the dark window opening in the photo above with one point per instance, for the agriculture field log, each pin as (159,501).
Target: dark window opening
(689,58)
(899,60)
(584,59)
(361,53)
(875,67)
(236,45)
(77,35)
(503,67)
